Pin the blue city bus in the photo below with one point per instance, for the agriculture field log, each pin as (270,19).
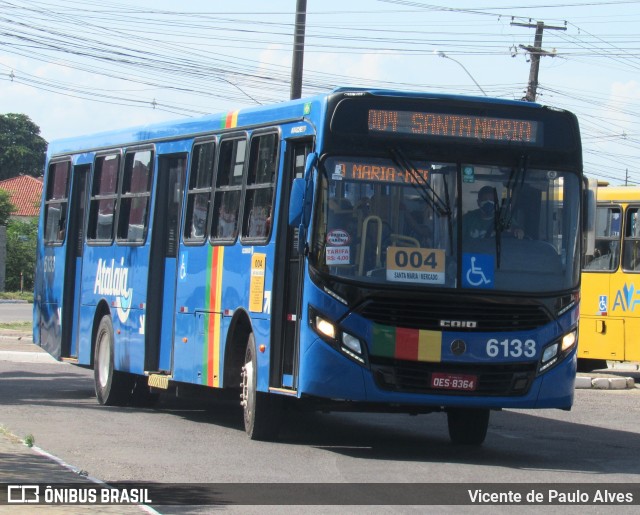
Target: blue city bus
(321,253)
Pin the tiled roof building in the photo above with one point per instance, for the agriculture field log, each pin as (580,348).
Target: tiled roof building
(26,193)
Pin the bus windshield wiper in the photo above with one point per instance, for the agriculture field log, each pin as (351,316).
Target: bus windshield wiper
(424,189)
(422,186)
(497,227)
(503,213)
(516,181)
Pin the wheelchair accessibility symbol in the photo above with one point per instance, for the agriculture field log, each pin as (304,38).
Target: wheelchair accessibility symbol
(478,270)
(602,304)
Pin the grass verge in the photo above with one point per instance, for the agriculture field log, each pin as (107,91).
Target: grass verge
(16,326)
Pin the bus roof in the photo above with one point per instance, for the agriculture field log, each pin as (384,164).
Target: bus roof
(618,193)
(247,117)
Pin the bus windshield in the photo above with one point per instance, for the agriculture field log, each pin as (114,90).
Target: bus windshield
(400,223)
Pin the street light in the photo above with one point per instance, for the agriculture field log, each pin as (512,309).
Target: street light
(442,54)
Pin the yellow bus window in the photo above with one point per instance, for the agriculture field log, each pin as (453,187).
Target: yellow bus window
(631,256)
(607,250)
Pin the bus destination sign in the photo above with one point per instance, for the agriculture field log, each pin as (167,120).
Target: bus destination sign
(455,126)
(380,170)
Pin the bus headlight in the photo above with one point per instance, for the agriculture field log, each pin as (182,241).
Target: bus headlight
(568,340)
(343,341)
(324,327)
(352,343)
(549,353)
(557,351)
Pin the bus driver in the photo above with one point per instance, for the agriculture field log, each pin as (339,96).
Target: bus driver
(480,222)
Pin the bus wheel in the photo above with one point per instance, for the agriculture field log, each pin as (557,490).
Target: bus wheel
(468,426)
(113,388)
(262,411)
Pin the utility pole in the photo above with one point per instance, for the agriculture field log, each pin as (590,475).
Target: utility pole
(535,51)
(298,49)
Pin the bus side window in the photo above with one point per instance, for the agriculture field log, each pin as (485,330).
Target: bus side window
(56,202)
(199,194)
(228,189)
(103,198)
(136,191)
(631,257)
(607,252)
(260,187)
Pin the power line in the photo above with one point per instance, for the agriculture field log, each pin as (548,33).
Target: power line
(159,54)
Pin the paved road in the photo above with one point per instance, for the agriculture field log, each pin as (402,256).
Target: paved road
(599,440)
(203,441)
(15,311)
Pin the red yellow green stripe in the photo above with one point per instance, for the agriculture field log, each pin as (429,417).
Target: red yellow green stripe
(211,356)
(406,344)
(230,121)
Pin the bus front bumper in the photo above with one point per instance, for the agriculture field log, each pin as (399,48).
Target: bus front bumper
(325,373)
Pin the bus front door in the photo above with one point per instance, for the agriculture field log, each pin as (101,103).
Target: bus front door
(286,302)
(163,264)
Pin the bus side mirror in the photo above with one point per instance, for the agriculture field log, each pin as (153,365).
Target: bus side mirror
(301,198)
(589,215)
(296,202)
(300,210)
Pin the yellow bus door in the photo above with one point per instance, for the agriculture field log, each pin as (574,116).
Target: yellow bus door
(627,300)
(602,322)
(602,334)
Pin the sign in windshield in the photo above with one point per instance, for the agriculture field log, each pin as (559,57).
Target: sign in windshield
(376,170)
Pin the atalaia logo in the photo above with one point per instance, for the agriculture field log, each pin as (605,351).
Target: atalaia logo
(112,280)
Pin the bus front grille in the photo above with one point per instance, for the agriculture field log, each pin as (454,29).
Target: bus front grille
(415,313)
(415,377)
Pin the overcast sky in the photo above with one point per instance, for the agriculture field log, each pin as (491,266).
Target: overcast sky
(78,67)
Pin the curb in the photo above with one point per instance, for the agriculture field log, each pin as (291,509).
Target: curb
(605,383)
(28,357)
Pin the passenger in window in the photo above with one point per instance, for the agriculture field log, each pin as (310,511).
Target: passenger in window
(200,210)
(480,223)
(603,257)
(268,222)
(340,213)
(258,225)
(227,219)
(418,223)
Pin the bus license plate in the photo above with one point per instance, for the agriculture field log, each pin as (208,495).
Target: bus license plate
(465,383)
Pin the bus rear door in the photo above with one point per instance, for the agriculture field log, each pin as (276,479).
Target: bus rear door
(73,269)
(62,236)
(163,265)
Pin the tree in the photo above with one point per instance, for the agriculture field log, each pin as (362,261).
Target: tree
(22,149)
(6,207)
(21,254)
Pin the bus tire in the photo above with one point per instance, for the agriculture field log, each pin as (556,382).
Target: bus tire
(468,426)
(113,388)
(262,411)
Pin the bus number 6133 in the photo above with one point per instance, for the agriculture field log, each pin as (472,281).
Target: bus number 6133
(511,348)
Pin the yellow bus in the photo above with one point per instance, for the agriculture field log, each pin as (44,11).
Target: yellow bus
(610,307)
